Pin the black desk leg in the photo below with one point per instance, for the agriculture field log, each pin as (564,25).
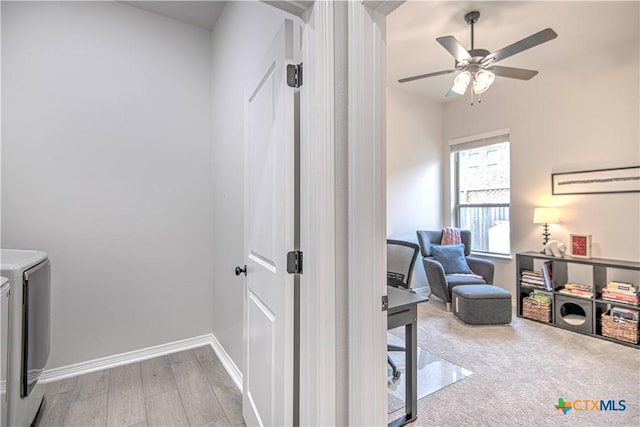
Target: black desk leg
(411,352)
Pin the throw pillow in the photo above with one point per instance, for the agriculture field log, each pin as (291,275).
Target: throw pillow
(452,258)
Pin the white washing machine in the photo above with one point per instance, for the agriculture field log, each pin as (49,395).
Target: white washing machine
(29,273)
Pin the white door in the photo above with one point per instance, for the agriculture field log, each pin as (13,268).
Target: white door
(270,232)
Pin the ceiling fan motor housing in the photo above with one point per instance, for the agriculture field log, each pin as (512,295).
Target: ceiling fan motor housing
(472,17)
(477,55)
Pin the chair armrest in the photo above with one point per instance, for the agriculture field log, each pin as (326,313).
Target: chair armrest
(483,267)
(436,278)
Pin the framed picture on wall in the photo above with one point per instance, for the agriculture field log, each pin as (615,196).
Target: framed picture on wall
(600,181)
(580,245)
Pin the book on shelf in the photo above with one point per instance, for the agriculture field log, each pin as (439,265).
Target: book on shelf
(532,279)
(529,279)
(538,297)
(529,273)
(628,299)
(619,292)
(625,313)
(546,274)
(623,286)
(532,285)
(577,289)
(574,293)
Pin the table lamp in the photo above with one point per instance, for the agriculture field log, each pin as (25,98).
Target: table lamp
(545,216)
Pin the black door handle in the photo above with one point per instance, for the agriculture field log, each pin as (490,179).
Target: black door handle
(242,270)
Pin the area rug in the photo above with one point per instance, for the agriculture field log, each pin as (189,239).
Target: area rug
(434,373)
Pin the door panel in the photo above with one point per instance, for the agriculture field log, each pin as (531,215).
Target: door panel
(262,175)
(270,231)
(262,337)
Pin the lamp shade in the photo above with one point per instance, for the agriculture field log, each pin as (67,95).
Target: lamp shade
(482,79)
(461,82)
(545,216)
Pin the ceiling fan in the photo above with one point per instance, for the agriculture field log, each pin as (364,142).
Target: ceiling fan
(476,66)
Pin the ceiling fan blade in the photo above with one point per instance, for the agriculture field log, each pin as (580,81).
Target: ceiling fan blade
(454,47)
(424,76)
(517,47)
(514,73)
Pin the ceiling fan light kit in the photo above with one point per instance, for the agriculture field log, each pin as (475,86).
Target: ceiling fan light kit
(476,66)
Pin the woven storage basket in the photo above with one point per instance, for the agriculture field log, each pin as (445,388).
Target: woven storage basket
(621,329)
(536,310)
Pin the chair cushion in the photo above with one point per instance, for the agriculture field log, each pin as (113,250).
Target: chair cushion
(482,292)
(455,280)
(452,258)
(464,279)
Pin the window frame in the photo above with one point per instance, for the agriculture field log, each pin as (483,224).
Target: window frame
(471,142)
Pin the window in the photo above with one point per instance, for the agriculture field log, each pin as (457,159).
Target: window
(481,190)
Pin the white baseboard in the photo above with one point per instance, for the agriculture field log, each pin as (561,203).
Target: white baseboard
(227,362)
(108,362)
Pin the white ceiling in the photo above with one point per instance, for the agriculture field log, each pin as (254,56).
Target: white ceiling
(583,27)
(203,14)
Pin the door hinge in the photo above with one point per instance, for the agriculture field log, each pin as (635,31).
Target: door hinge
(385,302)
(294,262)
(294,75)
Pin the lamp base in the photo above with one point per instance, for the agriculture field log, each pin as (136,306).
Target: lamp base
(545,234)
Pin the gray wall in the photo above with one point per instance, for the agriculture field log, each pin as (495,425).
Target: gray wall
(106,146)
(414,169)
(241,36)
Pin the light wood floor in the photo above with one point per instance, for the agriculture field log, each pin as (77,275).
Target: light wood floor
(189,388)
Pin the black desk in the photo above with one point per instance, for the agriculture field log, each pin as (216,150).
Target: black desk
(403,311)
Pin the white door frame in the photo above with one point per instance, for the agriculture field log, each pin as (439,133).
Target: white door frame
(343,211)
(367,211)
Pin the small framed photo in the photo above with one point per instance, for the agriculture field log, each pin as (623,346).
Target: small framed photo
(580,245)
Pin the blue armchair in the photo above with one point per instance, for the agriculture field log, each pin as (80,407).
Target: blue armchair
(442,283)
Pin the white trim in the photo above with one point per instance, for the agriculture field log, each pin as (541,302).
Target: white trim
(297,8)
(108,362)
(6,285)
(367,216)
(318,372)
(226,361)
(343,214)
(384,7)
(484,135)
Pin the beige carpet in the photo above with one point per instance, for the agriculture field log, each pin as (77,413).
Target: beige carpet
(521,370)
(434,374)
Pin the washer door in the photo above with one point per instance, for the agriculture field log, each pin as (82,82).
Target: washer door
(4,338)
(36,329)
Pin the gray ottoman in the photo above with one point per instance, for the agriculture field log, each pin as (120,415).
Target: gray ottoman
(481,304)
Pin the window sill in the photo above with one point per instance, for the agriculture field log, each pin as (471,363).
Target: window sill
(496,257)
